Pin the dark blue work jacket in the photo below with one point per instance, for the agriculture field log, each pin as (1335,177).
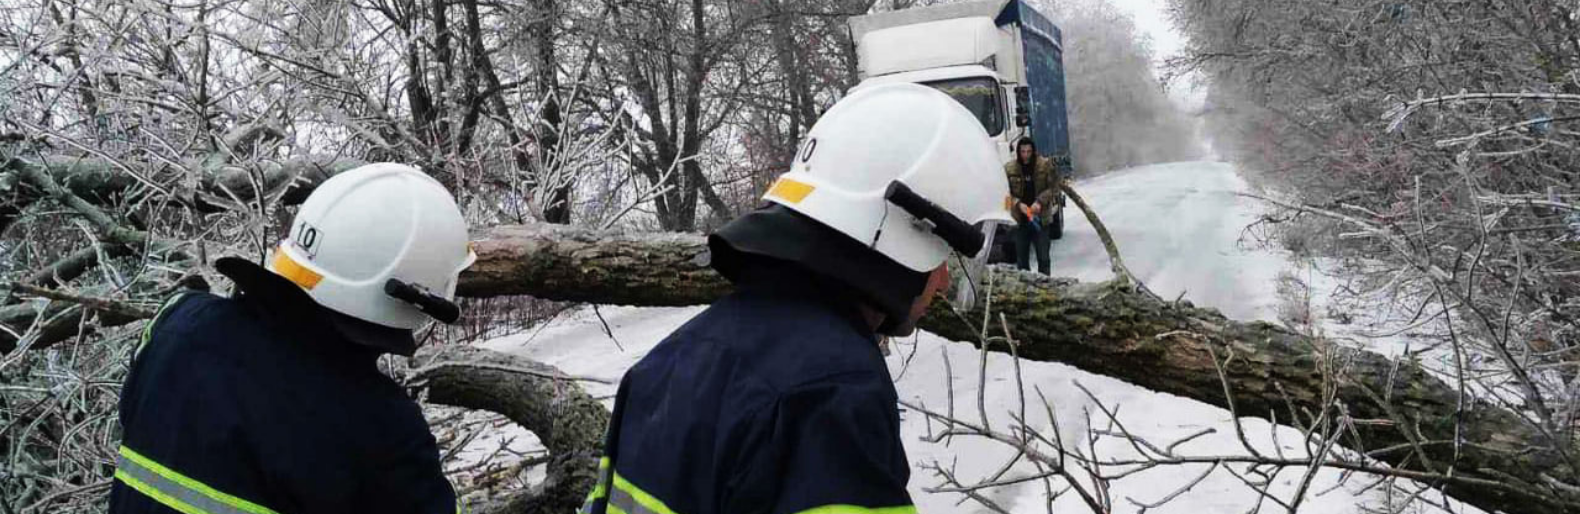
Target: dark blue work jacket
(255,405)
(775,400)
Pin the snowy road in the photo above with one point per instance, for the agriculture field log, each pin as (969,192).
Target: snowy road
(1178,226)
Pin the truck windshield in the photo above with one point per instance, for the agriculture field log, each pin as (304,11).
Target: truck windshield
(980,95)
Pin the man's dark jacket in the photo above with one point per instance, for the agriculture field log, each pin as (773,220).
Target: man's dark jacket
(259,402)
(775,400)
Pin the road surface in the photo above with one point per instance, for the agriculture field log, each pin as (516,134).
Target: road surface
(1181,228)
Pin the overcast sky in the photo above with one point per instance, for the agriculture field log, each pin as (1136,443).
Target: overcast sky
(1152,20)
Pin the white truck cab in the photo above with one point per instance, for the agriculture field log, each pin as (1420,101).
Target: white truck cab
(1001,59)
(958,56)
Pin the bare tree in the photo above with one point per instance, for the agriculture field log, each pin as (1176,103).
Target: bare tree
(1427,149)
(1120,114)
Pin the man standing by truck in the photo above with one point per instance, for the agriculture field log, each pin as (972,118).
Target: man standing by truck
(1033,182)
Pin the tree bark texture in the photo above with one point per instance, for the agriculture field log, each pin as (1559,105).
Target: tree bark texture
(569,422)
(570,264)
(1409,417)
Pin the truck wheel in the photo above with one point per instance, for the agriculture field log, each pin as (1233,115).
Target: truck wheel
(1003,250)
(1056,229)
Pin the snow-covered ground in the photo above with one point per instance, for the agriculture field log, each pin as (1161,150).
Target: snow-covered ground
(1179,228)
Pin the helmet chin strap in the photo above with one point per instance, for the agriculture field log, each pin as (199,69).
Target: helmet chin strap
(879,234)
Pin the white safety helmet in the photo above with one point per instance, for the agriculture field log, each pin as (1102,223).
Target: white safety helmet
(863,167)
(383,243)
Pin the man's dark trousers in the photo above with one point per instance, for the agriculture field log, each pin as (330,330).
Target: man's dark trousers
(1027,238)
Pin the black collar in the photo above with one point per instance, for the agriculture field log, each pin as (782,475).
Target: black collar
(780,278)
(280,296)
(778,233)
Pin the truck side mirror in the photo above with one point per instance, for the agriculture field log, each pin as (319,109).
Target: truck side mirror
(1022,106)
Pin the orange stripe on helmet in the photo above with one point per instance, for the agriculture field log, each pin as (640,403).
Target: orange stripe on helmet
(790,190)
(287,267)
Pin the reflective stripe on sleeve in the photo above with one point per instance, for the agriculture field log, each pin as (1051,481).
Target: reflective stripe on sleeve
(601,490)
(178,491)
(627,498)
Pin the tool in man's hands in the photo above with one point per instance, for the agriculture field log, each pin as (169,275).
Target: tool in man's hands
(1036,222)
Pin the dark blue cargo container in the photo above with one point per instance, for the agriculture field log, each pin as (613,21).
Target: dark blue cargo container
(1043,46)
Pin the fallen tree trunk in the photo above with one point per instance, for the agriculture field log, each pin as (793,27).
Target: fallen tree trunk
(569,422)
(1404,416)
(1409,418)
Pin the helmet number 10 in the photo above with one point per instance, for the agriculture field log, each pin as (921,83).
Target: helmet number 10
(306,238)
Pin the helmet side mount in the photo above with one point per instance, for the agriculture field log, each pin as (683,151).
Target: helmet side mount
(963,237)
(431,304)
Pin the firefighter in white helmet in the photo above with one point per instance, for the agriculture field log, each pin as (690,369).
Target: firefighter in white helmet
(776,399)
(271,400)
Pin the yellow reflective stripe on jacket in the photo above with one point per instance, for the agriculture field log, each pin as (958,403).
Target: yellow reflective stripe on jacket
(178,491)
(852,509)
(627,498)
(601,489)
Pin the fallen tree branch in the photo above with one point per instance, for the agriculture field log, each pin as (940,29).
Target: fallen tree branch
(38,177)
(1108,329)
(1116,263)
(98,181)
(569,422)
(509,369)
(1402,111)
(100,304)
(57,322)
(119,239)
(73,265)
